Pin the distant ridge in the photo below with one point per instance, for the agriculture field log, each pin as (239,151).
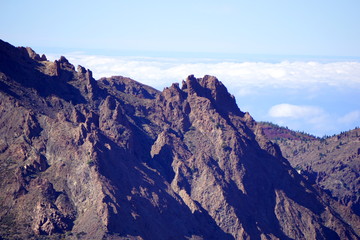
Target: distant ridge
(276,132)
(333,163)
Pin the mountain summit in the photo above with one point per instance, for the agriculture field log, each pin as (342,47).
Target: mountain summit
(115,159)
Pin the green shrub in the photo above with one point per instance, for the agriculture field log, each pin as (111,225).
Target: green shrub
(219,126)
(192,128)
(91,163)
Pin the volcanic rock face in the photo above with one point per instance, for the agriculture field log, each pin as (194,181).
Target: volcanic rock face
(116,159)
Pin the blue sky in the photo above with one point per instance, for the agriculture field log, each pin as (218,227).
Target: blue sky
(295,63)
(281,27)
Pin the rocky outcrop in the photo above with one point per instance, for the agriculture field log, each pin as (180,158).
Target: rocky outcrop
(115,159)
(32,54)
(53,212)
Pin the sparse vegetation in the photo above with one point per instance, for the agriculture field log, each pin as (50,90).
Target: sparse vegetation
(192,128)
(90,163)
(219,126)
(276,132)
(331,158)
(298,168)
(80,235)
(225,147)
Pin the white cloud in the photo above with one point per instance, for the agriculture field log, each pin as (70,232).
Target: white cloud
(294,111)
(351,117)
(160,72)
(243,92)
(312,119)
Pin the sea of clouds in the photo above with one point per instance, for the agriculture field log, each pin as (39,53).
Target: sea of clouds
(316,97)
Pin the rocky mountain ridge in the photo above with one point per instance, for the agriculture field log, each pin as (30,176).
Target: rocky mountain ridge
(333,162)
(115,159)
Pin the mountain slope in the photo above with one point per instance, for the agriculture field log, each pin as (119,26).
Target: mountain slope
(116,159)
(333,162)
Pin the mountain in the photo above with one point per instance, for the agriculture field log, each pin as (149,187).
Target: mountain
(114,159)
(333,163)
(275,132)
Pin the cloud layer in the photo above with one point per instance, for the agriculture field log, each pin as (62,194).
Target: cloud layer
(313,118)
(350,117)
(161,71)
(294,111)
(297,94)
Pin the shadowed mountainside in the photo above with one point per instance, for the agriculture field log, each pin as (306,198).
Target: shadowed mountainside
(333,163)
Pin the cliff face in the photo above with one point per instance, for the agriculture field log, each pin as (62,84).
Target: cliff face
(333,163)
(116,159)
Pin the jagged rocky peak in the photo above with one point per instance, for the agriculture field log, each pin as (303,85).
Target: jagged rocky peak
(213,89)
(86,75)
(68,73)
(174,91)
(81,71)
(32,54)
(64,69)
